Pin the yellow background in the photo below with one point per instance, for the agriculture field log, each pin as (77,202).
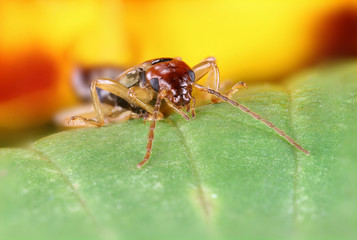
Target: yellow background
(255,40)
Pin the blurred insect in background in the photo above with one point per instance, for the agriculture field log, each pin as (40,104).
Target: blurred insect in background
(140,90)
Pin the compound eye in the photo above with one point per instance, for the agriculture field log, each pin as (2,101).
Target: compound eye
(192,75)
(154,82)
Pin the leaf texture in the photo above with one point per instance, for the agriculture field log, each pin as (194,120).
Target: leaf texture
(223,175)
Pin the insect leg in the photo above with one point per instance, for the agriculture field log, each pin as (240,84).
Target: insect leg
(208,66)
(123,116)
(193,112)
(115,88)
(86,118)
(234,89)
(99,121)
(179,111)
(253,114)
(151,133)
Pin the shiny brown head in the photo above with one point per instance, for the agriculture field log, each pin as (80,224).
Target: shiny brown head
(175,78)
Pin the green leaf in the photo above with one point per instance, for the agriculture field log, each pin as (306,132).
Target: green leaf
(223,175)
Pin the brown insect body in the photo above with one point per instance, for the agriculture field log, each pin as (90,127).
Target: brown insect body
(173,77)
(170,80)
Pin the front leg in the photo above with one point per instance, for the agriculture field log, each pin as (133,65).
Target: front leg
(177,109)
(234,89)
(208,66)
(151,131)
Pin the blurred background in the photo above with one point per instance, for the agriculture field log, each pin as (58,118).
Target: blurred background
(255,41)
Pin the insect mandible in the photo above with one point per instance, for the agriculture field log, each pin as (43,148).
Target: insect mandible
(146,85)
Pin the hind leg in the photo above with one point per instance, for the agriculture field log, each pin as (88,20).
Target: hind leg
(118,89)
(86,112)
(115,116)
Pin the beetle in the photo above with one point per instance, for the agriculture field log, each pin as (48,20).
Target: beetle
(146,85)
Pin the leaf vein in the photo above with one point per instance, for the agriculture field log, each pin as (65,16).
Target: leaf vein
(66,179)
(201,196)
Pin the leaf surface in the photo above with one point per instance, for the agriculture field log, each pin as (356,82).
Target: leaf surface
(221,176)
